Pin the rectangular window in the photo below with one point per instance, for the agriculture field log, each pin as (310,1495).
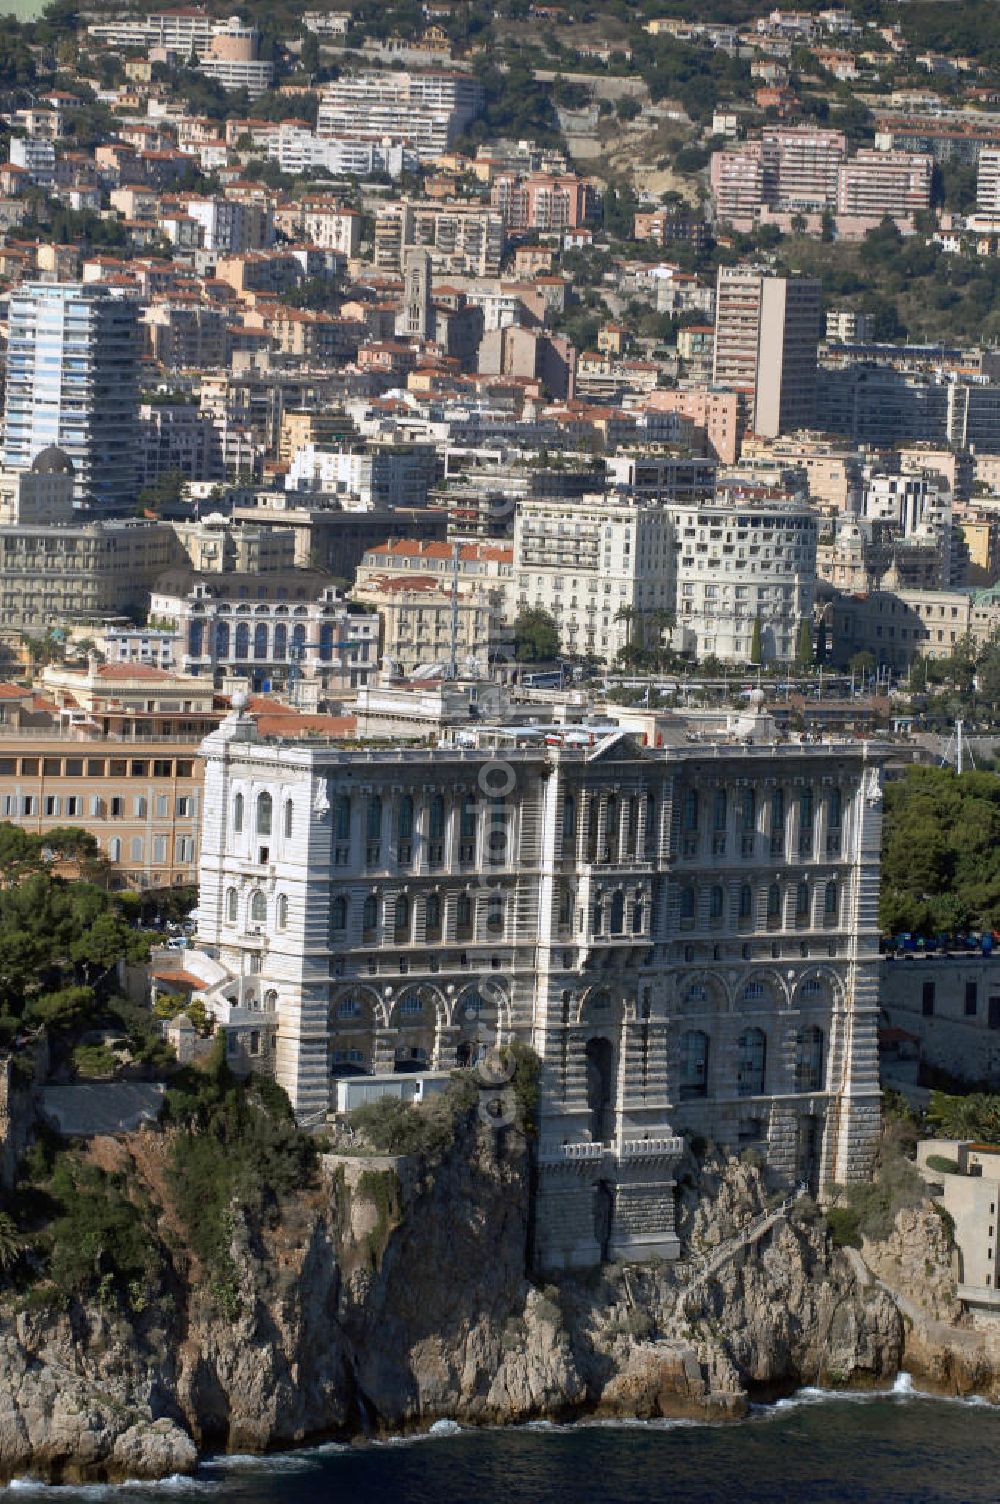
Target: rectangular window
(161,806)
(136,848)
(159,849)
(927,1000)
(971,999)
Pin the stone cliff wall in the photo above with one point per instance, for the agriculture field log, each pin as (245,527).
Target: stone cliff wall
(394,1294)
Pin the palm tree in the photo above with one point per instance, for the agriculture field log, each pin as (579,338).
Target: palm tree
(11,1243)
(627,614)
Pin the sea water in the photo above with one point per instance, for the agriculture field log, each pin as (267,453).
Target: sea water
(820,1447)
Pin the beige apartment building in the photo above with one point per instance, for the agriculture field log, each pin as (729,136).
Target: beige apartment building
(131,778)
(766,339)
(463,239)
(432,604)
(56,569)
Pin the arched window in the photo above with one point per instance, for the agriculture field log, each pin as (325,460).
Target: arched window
(282,910)
(326,641)
(746,901)
(617,914)
(238,813)
(467,823)
(221,640)
(432,917)
(258,908)
(689,818)
(289,823)
(342,823)
(349,1007)
(715,902)
(748,811)
(264,807)
(805,822)
(831,902)
(612,820)
(720,811)
(260,640)
(280,641)
(271,1000)
(411,1004)
(338,913)
(687,903)
(401,919)
(435,824)
(777,822)
(774,901)
(374,826)
(802,901)
(298,640)
(114,849)
(405,817)
(569,817)
(369,913)
(565,907)
(242,640)
(693,1064)
(196,636)
(494,915)
(232,903)
(637,917)
(751,1063)
(809,1060)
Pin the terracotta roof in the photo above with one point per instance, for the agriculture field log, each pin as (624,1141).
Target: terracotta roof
(177,978)
(291,723)
(122,671)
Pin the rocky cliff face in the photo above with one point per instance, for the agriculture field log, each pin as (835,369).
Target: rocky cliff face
(392,1296)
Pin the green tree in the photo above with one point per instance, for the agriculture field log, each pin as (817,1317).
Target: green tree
(804,647)
(757,642)
(536,636)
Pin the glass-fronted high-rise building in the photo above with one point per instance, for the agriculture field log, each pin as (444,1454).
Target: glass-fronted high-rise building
(72,381)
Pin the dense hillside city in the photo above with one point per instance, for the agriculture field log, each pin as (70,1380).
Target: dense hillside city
(499,714)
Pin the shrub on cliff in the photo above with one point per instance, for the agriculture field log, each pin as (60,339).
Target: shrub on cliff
(100,1242)
(425,1130)
(238,1147)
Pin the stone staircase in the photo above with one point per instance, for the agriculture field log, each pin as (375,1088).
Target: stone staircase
(700,1268)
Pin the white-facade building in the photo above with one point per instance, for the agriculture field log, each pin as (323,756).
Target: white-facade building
(299,151)
(600,565)
(739,561)
(391,475)
(427,109)
(686,935)
(269,630)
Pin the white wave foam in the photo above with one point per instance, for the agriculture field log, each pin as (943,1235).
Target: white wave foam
(445,1428)
(34,1487)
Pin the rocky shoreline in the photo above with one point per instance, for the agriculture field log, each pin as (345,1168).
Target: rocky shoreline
(391,1296)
